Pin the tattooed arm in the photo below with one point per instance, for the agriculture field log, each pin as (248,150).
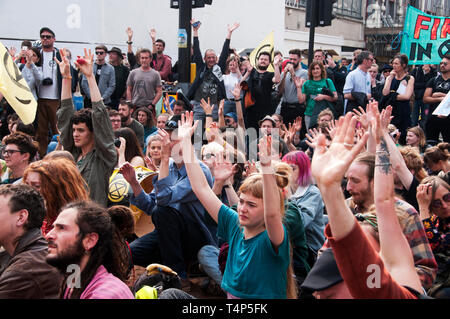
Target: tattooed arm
(395,250)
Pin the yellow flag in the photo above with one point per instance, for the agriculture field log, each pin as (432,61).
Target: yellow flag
(265,46)
(15,89)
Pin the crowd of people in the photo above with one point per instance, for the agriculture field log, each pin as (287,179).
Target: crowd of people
(325,181)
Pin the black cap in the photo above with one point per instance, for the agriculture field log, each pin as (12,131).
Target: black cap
(324,274)
(46,29)
(172,123)
(117,50)
(386,67)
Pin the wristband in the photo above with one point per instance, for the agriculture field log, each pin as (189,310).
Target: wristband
(208,115)
(67,77)
(129,42)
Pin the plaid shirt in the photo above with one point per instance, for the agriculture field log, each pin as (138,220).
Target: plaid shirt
(414,232)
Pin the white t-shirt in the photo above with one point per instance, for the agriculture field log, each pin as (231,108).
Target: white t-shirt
(49,70)
(230,81)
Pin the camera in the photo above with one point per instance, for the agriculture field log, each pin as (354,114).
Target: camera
(47,81)
(117,142)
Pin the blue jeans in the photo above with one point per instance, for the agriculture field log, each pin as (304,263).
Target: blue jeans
(208,257)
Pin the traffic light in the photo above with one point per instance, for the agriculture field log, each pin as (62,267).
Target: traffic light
(175,4)
(325,13)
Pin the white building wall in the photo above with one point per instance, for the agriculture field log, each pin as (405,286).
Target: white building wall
(85,23)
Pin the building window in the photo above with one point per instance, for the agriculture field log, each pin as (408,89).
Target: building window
(295,3)
(351,8)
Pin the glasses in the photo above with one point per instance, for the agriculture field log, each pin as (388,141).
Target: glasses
(9,152)
(171,125)
(46,36)
(99,52)
(437,203)
(443,63)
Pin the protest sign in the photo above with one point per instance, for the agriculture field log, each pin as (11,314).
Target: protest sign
(425,38)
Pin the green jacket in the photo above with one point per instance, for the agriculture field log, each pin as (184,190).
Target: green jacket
(98,165)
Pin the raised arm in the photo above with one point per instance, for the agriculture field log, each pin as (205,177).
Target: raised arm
(271,194)
(195,173)
(395,250)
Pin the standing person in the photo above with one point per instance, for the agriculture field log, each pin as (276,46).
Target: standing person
(31,71)
(256,234)
(144,86)
(160,62)
(19,150)
(49,95)
(85,236)
(104,77)
(209,82)
(357,89)
(400,82)
(437,89)
(312,92)
(422,74)
(290,105)
(121,75)
(260,85)
(59,182)
(88,133)
(24,274)
(231,77)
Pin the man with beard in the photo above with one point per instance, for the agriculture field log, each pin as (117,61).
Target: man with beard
(84,236)
(437,88)
(127,121)
(290,106)
(160,62)
(24,274)
(260,83)
(360,185)
(49,91)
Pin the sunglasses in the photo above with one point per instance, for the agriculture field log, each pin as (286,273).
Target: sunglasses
(437,203)
(99,52)
(46,36)
(171,125)
(443,63)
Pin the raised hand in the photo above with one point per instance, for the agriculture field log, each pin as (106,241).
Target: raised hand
(197,27)
(363,117)
(299,82)
(166,144)
(129,33)
(312,136)
(236,91)
(330,164)
(266,154)
(85,64)
(152,33)
(128,173)
(64,64)
(150,164)
(233,27)
(223,170)
(424,197)
(206,106)
(186,126)
(386,118)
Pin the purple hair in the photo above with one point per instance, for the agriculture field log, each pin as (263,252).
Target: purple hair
(300,159)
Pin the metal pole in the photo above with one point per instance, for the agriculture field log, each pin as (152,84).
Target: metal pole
(313,18)
(184,54)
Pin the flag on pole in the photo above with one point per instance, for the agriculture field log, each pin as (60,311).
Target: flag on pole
(265,46)
(15,89)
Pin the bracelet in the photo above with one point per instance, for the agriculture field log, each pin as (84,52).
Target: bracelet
(383,164)
(67,77)
(129,42)
(236,100)
(208,115)
(224,145)
(226,186)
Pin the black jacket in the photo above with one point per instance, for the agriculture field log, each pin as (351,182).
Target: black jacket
(201,68)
